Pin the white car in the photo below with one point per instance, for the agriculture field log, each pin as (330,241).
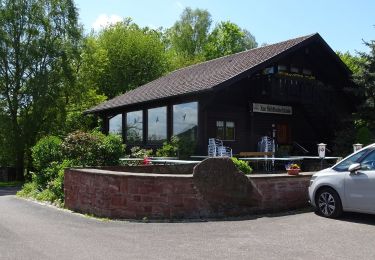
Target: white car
(347,186)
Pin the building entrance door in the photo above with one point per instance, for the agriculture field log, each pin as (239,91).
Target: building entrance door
(283,133)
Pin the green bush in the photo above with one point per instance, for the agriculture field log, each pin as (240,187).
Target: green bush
(169,149)
(52,187)
(51,156)
(82,148)
(92,149)
(56,185)
(111,149)
(29,190)
(46,151)
(242,165)
(364,136)
(182,147)
(186,147)
(137,152)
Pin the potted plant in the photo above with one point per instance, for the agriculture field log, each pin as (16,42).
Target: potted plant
(293,169)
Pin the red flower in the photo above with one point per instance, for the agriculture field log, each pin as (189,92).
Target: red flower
(146,161)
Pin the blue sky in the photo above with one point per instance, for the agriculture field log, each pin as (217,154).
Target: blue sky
(343,24)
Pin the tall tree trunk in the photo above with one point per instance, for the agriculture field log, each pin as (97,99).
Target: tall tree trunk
(19,165)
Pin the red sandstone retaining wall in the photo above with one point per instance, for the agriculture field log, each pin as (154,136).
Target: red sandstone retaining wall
(131,195)
(281,191)
(136,195)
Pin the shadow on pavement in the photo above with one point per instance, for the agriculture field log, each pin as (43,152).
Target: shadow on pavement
(239,218)
(359,218)
(6,191)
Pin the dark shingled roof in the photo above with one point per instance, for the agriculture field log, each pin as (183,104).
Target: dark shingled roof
(202,76)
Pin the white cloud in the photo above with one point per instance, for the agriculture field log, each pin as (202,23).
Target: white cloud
(105,20)
(179,5)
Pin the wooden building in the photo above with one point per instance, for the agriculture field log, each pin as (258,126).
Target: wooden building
(296,87)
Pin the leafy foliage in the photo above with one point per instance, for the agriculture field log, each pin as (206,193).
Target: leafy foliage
(228,38)
(169,149)
(137,152)
(190,40)
(46,151)
(189,34)
(110,150)
(51,156)
(361,127)
(39,39)
(179,146)
(242,165)
(123,56)
(353,62)
(92,149)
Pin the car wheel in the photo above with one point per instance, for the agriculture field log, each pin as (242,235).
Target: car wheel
(328,203)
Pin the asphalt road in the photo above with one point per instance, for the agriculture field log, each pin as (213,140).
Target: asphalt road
(32,231)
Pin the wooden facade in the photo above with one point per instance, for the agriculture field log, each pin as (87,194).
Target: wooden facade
(310,80)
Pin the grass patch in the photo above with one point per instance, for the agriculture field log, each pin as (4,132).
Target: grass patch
(88,215)
(11,183)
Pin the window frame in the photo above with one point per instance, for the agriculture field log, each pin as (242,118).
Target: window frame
(225,130)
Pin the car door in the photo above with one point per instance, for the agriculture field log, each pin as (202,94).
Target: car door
(360,186)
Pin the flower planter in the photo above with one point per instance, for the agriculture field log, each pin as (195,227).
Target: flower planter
(293,171)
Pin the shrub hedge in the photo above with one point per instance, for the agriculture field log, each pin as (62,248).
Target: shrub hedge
(51,156)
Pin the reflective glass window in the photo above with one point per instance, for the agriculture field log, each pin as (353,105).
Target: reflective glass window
(185,120)
(115,124)
(157,124)
(134,126)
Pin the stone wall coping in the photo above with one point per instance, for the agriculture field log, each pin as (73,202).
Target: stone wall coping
(280,175)
(154,175)
(130,174)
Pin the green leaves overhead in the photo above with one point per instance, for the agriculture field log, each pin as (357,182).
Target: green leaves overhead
(39,38)
(188,35)
(228,38)
(190,40)
(127,56)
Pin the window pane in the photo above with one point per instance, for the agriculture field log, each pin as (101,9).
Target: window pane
(185,120)
(369,162)
(115,124)
(157,124)
(134,126)
(344,165)
(230,129)
(220,130)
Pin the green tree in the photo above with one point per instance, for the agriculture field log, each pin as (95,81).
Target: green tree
(228,38)
(360,126)
(353,62)
(122,57)
(188,36)
(39,38)
(365,76)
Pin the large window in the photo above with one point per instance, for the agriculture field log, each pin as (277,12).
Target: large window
(115,124)
(157,124)
(225,130)
(134,126)
(185,120)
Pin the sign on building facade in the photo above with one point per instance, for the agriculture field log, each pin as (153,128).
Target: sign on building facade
(272,109)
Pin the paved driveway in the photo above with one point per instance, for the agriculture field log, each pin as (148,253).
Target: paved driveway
(32,231)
